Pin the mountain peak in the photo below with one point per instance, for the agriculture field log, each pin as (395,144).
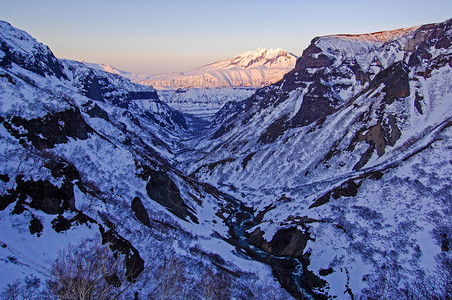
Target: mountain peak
(257,58)
(22,49)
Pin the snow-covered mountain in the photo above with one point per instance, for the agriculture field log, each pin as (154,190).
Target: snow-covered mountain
(87,154)
(349,156)
(249,69)
(335,181)
(113,70)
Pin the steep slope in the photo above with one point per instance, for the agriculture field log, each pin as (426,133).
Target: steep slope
(87,154)
(349,153)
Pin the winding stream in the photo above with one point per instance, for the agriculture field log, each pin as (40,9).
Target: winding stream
(288,270)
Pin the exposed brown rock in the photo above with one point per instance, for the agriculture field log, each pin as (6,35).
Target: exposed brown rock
(375,135)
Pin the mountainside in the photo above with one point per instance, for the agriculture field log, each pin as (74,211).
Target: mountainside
(351,148)
(334,181)
(201,102)
(249,69)
(87,154)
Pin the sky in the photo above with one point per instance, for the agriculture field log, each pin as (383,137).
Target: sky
(155,37)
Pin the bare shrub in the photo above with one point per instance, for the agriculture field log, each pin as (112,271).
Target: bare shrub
(88,271)
(170,279)
(28,289)
(215,285)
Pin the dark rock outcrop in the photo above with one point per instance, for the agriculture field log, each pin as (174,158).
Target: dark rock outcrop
(134,264)
(348,188)
(395,80)
(432,35)
(60,224)
(7,198)
(54,128)
(91,87)
(142,95)
(47,197)
(97,112)
(164,191)
(35,226)
(286,242)
(4,177)
(140,211)
(61,168)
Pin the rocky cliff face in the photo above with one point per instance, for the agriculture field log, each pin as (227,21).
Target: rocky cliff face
(21,49)
(334,69)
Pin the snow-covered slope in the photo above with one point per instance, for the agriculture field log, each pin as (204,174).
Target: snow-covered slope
(203,102)
(86,153)
(110,69)
(249,69)
(351,150)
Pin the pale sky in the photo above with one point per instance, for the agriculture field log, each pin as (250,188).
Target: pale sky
(176,35)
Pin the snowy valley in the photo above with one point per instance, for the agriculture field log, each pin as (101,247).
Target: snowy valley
(203,91)
(328,177)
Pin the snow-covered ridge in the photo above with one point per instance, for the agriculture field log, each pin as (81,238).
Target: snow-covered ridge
(18,38)
(378,49)
(380,36)
(112,70)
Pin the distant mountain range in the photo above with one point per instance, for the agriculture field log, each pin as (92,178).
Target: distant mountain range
(249,69)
